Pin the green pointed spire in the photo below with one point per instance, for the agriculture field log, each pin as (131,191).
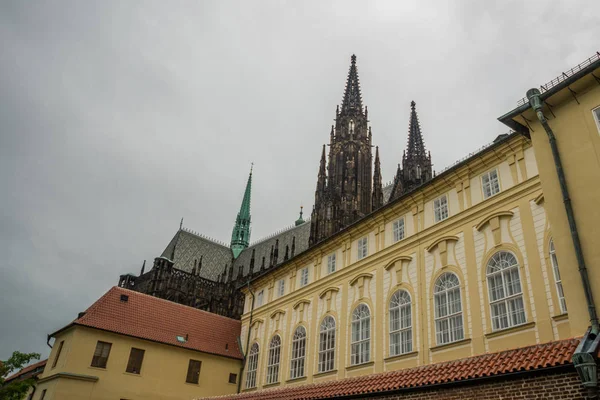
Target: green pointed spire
(300,220)
(240,237)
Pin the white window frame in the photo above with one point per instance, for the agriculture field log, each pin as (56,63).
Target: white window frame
(298,356)
(400,323)
(252,366)
(327,344)
(449,325)
(331,263)
(362,246)
(281,287)
(440,208)
(260,297)
(274,360)
(505,291)
(596,115)
(304,277)
(398,229)
(490,184)
(360,352)
(559,287)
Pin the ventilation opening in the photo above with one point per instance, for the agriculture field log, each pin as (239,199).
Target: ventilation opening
(124,298)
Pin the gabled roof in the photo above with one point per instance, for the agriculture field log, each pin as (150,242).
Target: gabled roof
(522,359)
(29,370)
(147,317)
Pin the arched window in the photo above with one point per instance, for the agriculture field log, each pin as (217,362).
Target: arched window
(327,344)
(298,353)
(361,335)
(448,309)
(400,323)
(252,366)
(559,287)
(273,361)
(505,292)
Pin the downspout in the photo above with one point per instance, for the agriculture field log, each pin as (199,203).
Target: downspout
(239,387)
(584,357)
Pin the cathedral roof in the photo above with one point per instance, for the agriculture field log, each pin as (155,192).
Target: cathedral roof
(263,247)
(187,247)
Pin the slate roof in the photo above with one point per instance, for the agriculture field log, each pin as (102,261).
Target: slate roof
(522,359)
(263,248)
(151,318)
(29,371)
(187,247)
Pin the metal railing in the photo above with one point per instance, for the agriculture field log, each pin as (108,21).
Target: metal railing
(565,75)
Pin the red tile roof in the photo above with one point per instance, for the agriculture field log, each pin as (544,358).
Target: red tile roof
(28,369)
(147,317)
(522,359)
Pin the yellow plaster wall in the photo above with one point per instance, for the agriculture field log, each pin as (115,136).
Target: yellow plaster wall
(578,142)
(463,244)
(162,376)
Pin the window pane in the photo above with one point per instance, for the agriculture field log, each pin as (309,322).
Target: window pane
(101,354)
(134,365)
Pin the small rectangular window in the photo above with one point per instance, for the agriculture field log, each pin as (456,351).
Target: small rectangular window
(101,354)
(363,248)
(440,208)
(304,277)
(260,298)
(43,394)
(490,184)
(281,287)
(58,351)
(193,374)
(232,378)
(596,112)
(331,263)
(398,228)
(134,365)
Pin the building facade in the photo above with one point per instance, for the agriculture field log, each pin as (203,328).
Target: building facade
(130,345)
(480,259)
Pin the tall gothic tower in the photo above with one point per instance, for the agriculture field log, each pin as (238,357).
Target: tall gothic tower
(240,237)
(416,161)
(344,187)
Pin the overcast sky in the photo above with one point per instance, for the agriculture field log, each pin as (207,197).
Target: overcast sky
(118,118)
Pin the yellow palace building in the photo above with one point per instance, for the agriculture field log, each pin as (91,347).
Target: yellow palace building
(490,255)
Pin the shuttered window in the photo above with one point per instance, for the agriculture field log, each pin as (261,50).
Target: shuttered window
(101,354)
(193,374)
(134,365)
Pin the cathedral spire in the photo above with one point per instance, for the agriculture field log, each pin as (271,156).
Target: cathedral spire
(416,147)
(377,200)
(240,237)
(352,102)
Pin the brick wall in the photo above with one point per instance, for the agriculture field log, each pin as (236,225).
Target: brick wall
(564,384)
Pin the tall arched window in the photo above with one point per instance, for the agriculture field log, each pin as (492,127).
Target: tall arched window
(400,323)
(298,353)
(252,366)
(361,335)
(448,309)
(273,361)
(559,287)
(505,292)
(327,344)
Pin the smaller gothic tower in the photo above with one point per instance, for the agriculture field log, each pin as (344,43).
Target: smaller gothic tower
(240,237)
(377,184)
(416,161)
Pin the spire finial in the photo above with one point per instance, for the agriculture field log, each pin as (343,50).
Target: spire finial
(181,223)
(300,220)
(412,105)
(353,59)
(251,167)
